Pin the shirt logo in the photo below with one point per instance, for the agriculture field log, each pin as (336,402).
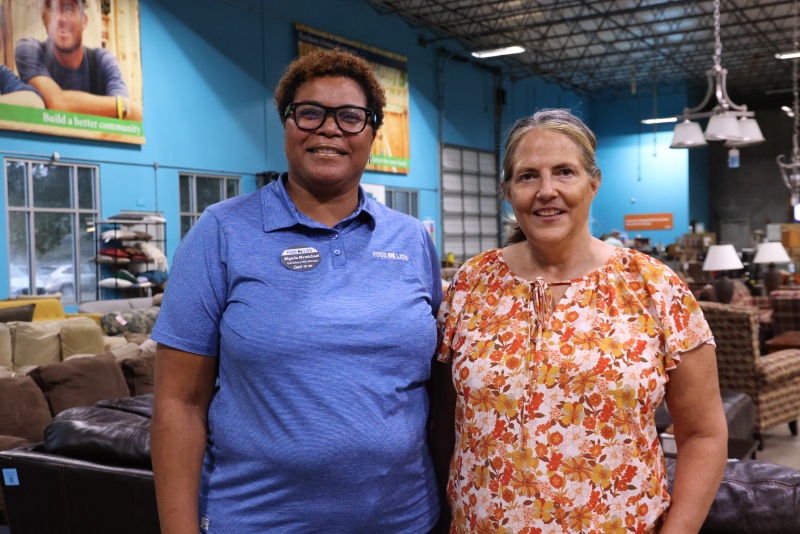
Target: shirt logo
(389,255)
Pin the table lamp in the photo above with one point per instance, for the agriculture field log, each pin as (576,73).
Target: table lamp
(771,253)
(722,258)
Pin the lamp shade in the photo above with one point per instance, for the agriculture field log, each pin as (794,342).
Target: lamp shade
(688,134)
(722,258)
(723,127)
(772,252)
(751,134)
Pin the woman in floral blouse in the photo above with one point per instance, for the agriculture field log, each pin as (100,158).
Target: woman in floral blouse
(560,348)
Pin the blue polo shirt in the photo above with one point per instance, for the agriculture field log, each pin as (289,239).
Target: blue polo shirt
(325,338)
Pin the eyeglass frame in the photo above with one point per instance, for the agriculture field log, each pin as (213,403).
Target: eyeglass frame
(371,117)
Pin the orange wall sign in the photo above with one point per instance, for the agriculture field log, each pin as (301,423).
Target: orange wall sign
(649,221)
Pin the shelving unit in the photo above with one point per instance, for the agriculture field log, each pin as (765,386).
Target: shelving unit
(123,239)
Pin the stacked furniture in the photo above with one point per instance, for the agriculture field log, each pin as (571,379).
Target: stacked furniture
(772,380)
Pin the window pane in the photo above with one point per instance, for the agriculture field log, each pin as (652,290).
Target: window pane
(86,182)
(87,279)
(52,186)
(209,191)
(17,183)
(186,223)
(414,205)
(401,201)
(233,188)
(54,256)
(18,253)
(186,193)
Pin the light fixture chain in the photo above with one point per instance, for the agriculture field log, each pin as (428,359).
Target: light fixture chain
(796,101)
(717,38)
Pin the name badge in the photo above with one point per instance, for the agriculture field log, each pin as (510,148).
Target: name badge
(300,258)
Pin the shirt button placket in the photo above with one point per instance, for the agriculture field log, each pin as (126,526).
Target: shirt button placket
(337,251)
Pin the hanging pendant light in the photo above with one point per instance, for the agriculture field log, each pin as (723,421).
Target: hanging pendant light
(790,171)
(726,119)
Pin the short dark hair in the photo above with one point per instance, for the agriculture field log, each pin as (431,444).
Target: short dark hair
(320,63)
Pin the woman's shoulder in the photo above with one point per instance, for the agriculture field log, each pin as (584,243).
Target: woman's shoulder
(480,266)
(636,266)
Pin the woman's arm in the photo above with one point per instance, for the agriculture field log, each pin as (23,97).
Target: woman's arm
(441,432)
(701,434)
(183,388)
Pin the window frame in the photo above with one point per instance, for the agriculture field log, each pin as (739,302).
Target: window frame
(75,211)
(413,200)
(193,213)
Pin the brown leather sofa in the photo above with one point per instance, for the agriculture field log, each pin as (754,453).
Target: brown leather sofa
(92,475)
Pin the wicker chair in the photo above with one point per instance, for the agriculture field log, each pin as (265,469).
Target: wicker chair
(772,381)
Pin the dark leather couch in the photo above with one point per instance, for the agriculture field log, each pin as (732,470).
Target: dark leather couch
(92,475)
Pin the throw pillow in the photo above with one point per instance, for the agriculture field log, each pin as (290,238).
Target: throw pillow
(114,283)
(139,374)
(140,321)
(5,346)
(23,408)
(113,252)
(80,381)
(38,343)
(17,313)
(157,299)
(126,351)
(81,339)
(6,372)
(134,337)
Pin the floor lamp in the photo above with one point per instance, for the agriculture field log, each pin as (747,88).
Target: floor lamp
(722,258)
(771,253)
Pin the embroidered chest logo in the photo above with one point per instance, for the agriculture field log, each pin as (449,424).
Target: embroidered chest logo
(389,255)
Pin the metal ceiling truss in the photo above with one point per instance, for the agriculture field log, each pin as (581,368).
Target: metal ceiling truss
(610,45)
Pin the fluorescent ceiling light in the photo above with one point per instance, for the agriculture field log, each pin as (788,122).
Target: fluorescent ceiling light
(788,55)
(498,52)
(660,121)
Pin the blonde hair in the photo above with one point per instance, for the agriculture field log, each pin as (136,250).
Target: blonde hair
(549,120)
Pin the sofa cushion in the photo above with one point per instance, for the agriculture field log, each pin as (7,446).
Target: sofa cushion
(5,347)
(81,339)
(139,374)
(80,381)
(134,337)
(140,321)
(39,343)
(17,313)
(108,433)
(23,409)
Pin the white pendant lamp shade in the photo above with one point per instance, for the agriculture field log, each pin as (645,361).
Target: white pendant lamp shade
(751,134)
(771,253)
(722,258)
(688,134)
(723,127)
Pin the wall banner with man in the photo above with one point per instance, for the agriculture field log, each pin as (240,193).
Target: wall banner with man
(391,150)
(72,68)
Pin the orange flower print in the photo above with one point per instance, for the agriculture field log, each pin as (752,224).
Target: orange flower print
(554,412)
(577,468)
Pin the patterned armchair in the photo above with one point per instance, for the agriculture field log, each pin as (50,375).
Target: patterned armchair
(785,310)
(772,381)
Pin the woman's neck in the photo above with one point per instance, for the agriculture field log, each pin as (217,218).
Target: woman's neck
(557,263)
(326,209)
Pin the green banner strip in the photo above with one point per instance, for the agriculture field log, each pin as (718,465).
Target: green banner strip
(390,161)
(74,121)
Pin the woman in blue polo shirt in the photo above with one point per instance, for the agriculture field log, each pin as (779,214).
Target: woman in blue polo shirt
(295,339)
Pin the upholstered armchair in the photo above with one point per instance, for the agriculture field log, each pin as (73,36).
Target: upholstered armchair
(772,380)
(785,310)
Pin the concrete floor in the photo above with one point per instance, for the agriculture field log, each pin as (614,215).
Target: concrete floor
(780,447)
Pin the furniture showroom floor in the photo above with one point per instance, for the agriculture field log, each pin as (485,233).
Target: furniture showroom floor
(780,447)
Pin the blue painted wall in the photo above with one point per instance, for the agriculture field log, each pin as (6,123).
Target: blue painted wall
(641,174)
(209,69)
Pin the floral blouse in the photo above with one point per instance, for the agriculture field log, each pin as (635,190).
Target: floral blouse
(554,417)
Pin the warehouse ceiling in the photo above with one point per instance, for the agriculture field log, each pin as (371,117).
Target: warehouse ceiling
(606,46)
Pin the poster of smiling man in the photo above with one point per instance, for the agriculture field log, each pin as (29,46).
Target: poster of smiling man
(72,68)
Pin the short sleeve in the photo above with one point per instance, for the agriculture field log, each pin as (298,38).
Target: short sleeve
(682,322)
(29,59)
(435,273)
(447,320)
(108,64)
(196,294)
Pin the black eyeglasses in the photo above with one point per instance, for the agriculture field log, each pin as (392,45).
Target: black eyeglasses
(349,119)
